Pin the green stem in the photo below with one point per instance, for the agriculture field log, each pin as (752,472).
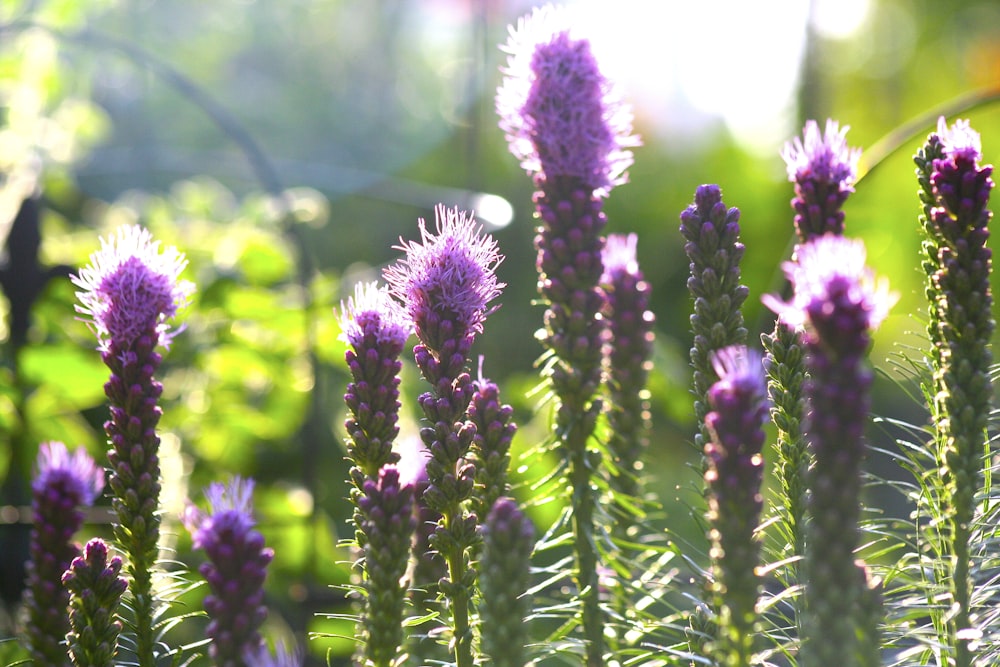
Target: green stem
(458,594)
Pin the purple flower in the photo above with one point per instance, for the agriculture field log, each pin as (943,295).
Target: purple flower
(837,299)
(63,484)
(131,289)
(734,474)
(388,522)
(447,277)
(823,169)
(235,570)
(561,116)
(376,328)
(839,302)
(627,358)
(96,590)
(283,656)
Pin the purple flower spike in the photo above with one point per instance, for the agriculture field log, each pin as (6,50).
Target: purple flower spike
(130,288)
(130,291)
(96,592)
(64,483)
(376,328)
(734,474)
(490,453)
(838,302)
(561,116)
(627,358)
(235,570)
(823,168)
(449,277)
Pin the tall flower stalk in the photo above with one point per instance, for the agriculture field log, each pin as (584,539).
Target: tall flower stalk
(64,485)
(733,477)
(712,243)
(235,570)
(838,303)
(955,194)
(823,168)
(567,125)
(447,282)
(129,291)
(495,429)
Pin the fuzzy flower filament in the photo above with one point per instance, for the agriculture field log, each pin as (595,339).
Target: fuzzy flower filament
(823,168)
(838,303)
(733,477)
(447,282)
(96,590)
(64,484)
(130,290)
(235,570)
(955,194)
(567,125)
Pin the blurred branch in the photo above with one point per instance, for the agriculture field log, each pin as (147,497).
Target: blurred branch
(897,138)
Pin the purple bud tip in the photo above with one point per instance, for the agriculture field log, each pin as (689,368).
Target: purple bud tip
(559,113)
(77,470)
(231,506)
(959,139)
(452,273)
(826,266)
(619,256)
(130,287)
(822,156)
(373,311)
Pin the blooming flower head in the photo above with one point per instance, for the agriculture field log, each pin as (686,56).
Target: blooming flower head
(959,139)
(75,474)
(372,311)
(412,464)
(619,256)
(836,295)
(231,507)
(560,115)
(130,288)
(450,275)
(822,156)
(740,372)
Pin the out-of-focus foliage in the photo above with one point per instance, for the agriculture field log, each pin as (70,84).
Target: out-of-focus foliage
(120,112)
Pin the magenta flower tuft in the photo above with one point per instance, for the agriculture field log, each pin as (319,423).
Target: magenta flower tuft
(373,312)
(823,168)
(64,483)
(959,139)
(831,270)
(235,570)
(131,288)
(562,117)
(448,276)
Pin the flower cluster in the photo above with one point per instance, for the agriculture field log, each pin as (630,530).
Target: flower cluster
(96,589)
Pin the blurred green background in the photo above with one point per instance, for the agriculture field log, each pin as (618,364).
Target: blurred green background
(187,116)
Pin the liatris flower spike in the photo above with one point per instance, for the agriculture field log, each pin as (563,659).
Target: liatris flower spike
(956,191)
(508,540)
(64,484)
(627,359)
(447,283)
(567,125)
(495,430)
(823,168)
(562,117)
(376,328)
(130,291)
(838,302)
(712,243)
(388,521)
(235,570)
(734,474)
(95,594)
